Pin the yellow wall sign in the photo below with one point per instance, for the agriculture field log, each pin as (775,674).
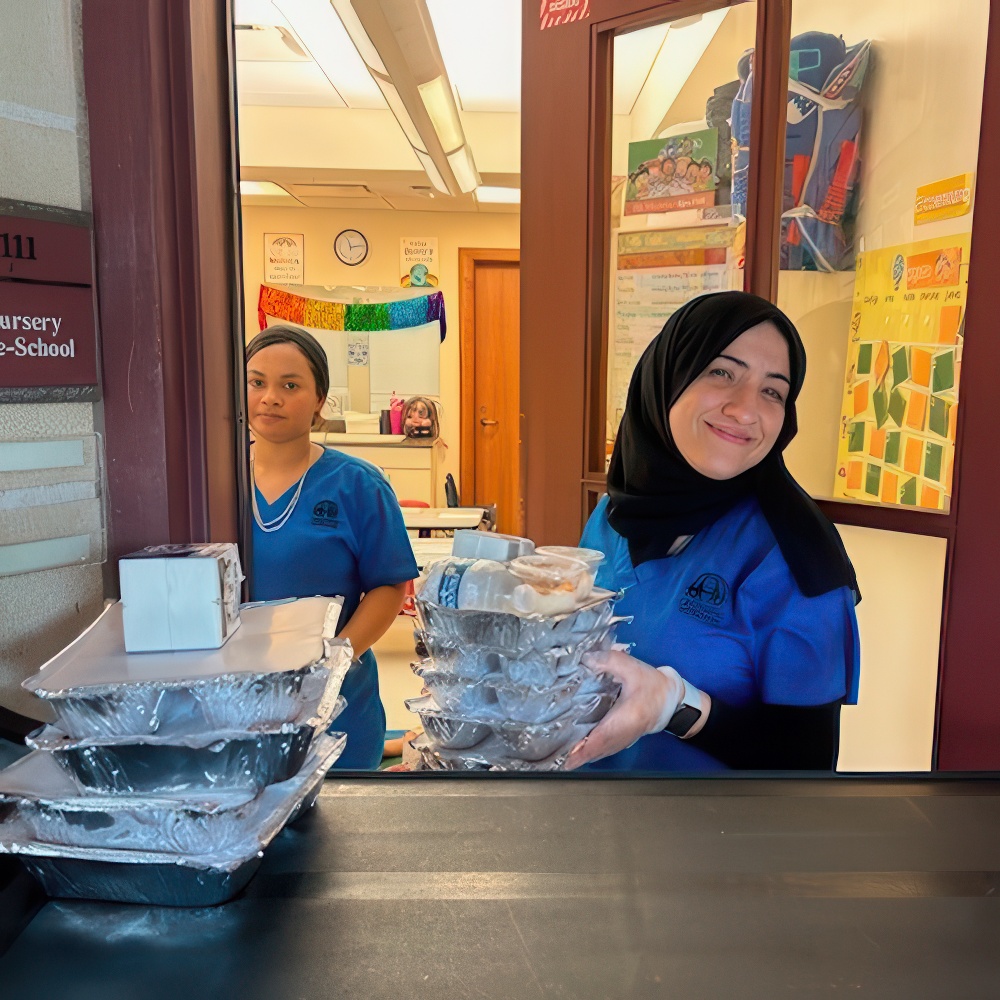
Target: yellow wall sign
(945,199)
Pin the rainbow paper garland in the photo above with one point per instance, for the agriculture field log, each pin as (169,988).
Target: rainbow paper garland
(322,314)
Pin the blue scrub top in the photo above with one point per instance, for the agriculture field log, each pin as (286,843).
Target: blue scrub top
(345,537)
(726,613)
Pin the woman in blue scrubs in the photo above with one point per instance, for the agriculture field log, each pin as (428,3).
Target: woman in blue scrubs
(324,523)
(745,641)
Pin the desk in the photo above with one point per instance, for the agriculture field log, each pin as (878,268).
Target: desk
(442,518)
(488,886)
(427,550)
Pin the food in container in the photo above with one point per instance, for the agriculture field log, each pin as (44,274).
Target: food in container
(445,729)
(53,809)
(166,877)
(514,635)
(282,662)
(211,760)
(550,584)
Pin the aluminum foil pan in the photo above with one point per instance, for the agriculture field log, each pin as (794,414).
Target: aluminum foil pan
(445,729)
(511,635)
(247,761)
(535,703)
(441,759)
(51,808)
(283,660)
(458,694)
(166,878)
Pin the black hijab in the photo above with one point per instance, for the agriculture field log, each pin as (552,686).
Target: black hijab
(656,496)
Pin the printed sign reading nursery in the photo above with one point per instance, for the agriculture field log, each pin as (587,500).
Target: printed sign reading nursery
(48,347)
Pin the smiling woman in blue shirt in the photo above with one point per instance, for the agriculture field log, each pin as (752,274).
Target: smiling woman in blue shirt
(742,597)
(324,523)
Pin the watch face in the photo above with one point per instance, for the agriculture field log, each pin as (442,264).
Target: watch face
(351,247)
(683,719)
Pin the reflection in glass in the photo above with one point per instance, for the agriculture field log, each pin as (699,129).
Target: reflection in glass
(884,108)
(674,234)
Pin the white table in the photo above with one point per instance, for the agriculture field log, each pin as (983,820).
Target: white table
(427,550)
(442,518)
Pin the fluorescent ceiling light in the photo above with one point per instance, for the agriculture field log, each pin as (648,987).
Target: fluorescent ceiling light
(411,68)
(432,171)
(321,33)
(498,195)
(265,189)
(397,107)
(464,169)
(480,43)
(440,105)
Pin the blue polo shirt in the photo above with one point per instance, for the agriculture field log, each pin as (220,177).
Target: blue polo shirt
(726,613)
(345,537)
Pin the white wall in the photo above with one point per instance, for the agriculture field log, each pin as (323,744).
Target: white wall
(43,136)
(383,229)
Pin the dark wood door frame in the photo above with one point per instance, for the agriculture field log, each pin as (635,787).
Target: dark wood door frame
(158,86)
(468,259)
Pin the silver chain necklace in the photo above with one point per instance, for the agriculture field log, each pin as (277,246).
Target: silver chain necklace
(278,522)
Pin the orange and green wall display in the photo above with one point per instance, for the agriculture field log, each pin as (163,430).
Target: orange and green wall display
(904,358)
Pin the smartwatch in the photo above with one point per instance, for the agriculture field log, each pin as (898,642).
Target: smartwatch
(689,711)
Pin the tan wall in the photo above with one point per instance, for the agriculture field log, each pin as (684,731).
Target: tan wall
(383,230)
(43,135)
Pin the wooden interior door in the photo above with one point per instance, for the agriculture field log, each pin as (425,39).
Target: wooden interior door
(490,361)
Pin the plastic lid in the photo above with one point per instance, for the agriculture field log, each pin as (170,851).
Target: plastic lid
(548,573)
(592,557)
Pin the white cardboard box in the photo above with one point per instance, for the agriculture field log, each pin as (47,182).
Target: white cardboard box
(180,596)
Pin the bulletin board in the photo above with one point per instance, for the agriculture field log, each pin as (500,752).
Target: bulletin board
(904,359)
(656,272)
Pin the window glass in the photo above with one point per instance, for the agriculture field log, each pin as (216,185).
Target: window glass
(674,234)
(884,105)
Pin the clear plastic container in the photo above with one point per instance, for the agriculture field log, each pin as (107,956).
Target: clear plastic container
(550,584)
(470,585)
(592,557)
(474,544)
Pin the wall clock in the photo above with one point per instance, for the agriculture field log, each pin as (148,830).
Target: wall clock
(351,247)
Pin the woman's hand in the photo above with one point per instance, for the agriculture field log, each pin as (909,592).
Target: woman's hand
(648,700)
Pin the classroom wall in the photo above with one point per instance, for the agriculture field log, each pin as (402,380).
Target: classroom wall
(384,228)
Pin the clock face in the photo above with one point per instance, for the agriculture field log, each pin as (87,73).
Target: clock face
(351,247)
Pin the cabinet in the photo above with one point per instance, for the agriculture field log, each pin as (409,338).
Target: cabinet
(412,466)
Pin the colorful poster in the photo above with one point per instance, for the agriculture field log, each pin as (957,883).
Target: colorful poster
(668,175)
(904,357)
(284,258)
(418,262)
(657,272)
(947,199)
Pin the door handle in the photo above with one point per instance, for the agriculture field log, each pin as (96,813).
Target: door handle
(489,423)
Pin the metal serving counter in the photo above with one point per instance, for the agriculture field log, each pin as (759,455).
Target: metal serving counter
(398,887)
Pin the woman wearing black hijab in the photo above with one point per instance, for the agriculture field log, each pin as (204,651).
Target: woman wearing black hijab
(741,593)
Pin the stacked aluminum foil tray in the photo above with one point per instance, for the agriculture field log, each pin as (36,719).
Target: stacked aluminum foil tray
(165,775)
(509,693)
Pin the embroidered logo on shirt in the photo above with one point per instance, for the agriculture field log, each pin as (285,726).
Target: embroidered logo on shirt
(326,513)
(704,598)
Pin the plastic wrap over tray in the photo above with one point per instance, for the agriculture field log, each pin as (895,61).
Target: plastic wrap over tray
(512,635)
(208,761)
(282,660)
(458,694)
(166,878)
(446,729)
(51,808)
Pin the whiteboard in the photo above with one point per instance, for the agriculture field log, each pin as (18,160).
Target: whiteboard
(406,362)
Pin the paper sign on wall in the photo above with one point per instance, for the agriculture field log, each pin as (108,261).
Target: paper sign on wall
(947,199)
(555,12)
(284,258)
(418,262)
